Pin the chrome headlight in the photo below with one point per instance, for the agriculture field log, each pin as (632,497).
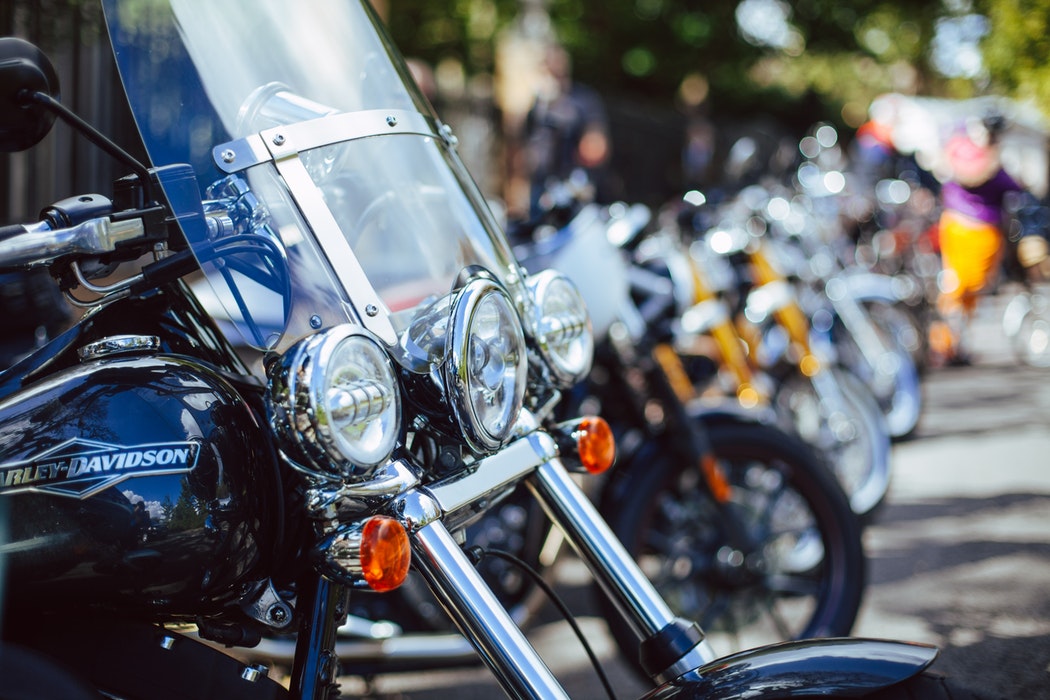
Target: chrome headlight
(334,399)
(561,326)
(486,364)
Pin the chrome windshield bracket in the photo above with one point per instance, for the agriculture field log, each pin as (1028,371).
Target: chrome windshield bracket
(282,145)
(370,310)
(290,139)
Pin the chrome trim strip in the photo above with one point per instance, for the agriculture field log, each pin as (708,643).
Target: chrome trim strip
(117,344)
(289,139)
(494,474)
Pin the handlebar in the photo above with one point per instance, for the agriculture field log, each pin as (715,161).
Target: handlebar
(32,245)
(12,231)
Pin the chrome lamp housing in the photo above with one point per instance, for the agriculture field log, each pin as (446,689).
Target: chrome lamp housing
(335,402)
(561,326)
(486,363)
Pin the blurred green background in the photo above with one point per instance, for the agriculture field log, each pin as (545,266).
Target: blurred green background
(746,65)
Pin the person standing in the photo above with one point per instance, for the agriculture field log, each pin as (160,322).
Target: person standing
(566,130)
(970,231)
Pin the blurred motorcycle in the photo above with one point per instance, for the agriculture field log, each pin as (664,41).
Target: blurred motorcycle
(738,523)
(821,400)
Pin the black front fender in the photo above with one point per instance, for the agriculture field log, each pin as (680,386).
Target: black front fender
(841,667)
(729,411)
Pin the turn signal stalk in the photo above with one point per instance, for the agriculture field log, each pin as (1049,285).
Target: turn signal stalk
(587,441)
(375,554)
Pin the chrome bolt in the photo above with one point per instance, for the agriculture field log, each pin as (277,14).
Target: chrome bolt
(278,140)
(254,672)
(228,156)
(391,120)
(372,310)
(315,322)
(277,614)
(450,138)
(167,642)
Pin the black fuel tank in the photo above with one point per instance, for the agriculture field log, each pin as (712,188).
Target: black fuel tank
(139,483)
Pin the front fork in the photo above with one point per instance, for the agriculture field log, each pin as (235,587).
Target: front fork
(670,646)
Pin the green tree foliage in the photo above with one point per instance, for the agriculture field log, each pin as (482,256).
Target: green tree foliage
(1016,50)
(462,30)
(838,58)
(187,512)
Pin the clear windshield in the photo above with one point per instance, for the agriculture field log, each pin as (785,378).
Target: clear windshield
(327,190)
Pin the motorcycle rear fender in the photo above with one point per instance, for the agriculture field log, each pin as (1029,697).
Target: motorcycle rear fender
(871,286)
(840,667)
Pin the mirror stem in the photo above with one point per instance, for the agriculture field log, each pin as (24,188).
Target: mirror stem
(94,135)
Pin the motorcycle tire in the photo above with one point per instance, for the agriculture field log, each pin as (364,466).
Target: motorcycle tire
(803,577)
(850,433)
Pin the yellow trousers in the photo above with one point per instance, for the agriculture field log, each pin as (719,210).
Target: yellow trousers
(970,254)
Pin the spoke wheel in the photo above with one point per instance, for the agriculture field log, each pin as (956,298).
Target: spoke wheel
(794,566)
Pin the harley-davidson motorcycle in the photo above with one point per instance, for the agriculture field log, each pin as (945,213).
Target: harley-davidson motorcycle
(153,483)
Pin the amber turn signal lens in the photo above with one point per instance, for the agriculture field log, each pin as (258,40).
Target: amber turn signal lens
(595,444)
(385,554)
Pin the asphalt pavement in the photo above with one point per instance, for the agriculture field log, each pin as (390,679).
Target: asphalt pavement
(959,555)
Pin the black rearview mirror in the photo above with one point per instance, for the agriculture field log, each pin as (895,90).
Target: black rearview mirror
(24,70)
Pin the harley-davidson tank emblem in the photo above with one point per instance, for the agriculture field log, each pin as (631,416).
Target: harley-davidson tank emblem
(81,468)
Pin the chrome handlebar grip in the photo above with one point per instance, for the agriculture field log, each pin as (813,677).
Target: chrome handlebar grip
(40,245)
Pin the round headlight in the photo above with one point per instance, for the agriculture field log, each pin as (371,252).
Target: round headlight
(335,396)
(561,326)
(486,366)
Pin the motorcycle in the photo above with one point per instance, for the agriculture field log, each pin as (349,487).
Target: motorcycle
(739,524)
(878,325)
(1026,318)
(825,403)
(411,373)
(893,231)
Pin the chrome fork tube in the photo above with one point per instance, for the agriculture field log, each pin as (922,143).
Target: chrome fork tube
(680,645)
(480,616)
(859,324)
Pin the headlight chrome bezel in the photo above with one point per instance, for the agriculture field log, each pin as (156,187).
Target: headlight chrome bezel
(466,342)
(302,389)
(561,326)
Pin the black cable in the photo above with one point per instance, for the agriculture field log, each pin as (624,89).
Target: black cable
(478,553)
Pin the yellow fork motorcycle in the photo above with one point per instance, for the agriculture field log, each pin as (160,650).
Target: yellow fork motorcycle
(767,356)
